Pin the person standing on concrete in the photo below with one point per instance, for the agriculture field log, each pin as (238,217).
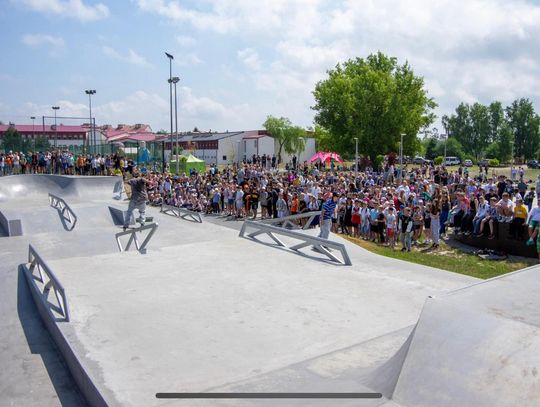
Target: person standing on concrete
(328,208)
(139,196)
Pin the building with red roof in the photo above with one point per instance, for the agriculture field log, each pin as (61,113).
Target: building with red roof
(65,135)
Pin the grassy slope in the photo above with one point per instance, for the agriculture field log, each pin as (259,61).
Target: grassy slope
(448,258)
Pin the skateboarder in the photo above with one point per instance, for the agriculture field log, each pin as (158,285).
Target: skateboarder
(138,198)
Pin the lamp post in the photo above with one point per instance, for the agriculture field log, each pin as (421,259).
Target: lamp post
(401,157)
(170,93)
(90,93)
(355,160)
(445,140)
(55,108)
(33,131)
(175,80)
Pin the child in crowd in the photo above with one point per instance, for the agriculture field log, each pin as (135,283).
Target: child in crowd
(405,227)
(391,225)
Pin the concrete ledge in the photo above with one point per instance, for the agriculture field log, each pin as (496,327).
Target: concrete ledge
(501,242)
(82,377)
(11,227)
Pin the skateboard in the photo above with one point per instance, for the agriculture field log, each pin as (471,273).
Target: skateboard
(149,220)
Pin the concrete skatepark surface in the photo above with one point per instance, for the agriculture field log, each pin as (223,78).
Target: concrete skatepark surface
(205,310)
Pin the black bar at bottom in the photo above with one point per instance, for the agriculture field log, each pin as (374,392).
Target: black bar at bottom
(268,395)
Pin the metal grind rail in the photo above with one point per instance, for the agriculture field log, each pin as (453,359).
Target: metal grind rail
(288,221)
(67,214)
(39,271)
(183,213)
(132,233)
(320,245)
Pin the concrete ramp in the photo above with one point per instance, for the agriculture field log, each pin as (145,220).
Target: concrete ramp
(26,187)
(479,346)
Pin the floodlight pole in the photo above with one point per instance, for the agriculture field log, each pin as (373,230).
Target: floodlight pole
(55,108)
(170,94)
(401,158)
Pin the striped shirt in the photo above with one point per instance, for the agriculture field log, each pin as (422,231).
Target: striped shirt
(328,208)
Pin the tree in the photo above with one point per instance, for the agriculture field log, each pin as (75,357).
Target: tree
(375,100)
(12,140)
(470,126)
(323,138)
(41,143)
(431,148)
(524,124)
(496,121)
(295,142)
(290,138)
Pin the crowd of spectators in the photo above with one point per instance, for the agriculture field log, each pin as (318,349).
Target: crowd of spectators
(419,207)
(416,207)
(63,162)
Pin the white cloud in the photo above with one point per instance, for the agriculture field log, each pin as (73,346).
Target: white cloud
(141,106)
(68,8)
(250,58)
(40,39)
(186,41)
(467,50)
(131,57)
(188,59)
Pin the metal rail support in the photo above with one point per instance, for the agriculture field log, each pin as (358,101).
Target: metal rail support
(287,221)
(132,232)
(40,271)
(320,245)
(181,213)
(67,214)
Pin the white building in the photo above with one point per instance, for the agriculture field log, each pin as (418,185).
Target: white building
(234,147)
(259,143)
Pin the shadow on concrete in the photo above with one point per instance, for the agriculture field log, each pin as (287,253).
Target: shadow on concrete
(40,343)
(67,226)
(296,252)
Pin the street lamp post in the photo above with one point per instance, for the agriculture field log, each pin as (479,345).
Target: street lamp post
(175,80)
(33,132)
(355,160)
(401,157)
(170,93)
(90,93)
(55,108)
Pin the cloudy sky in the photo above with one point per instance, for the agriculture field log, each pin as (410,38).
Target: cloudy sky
(241,60)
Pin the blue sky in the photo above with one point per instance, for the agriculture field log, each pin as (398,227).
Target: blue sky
(241,60)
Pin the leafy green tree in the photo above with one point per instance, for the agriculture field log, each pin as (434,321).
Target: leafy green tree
(41,143)
(323,139)
(470,126)
(431,148)
(496,121)
(295,142)
(12,140)
(375,100)
(290,138)
(524,124)
(453,148)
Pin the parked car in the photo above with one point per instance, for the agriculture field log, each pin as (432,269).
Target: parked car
(452,161)
(468,163)
(484,162)
(419,160)
(533,164)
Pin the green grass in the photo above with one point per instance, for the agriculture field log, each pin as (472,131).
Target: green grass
(530,173)
(448,258)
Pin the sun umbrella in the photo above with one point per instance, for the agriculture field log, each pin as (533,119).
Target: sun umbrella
(318,156)
(333,156)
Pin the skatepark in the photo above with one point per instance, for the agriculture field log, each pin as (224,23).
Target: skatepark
(203,307)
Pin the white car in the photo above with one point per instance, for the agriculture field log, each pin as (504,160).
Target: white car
(452,161)
(468,163)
